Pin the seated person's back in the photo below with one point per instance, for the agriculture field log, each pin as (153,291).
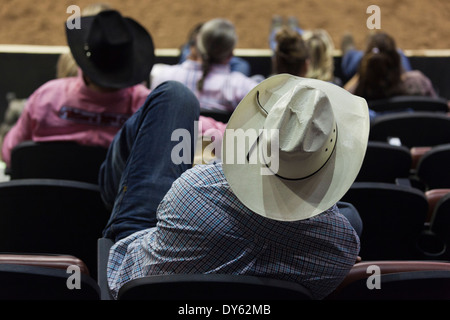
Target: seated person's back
(91,107)
(207,72)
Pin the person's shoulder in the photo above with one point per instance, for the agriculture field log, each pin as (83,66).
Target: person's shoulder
(240,78)
(202,175)
(54,87)
(57,83)
(414,74)
(140,90)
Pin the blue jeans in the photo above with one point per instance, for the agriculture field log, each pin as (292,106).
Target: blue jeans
(138,170)
(351,58)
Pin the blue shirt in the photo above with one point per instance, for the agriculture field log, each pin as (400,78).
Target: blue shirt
(203,228)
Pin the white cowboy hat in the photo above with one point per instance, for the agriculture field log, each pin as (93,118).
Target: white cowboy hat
(317,137)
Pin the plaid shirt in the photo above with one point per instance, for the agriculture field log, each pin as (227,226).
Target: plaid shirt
(203,228)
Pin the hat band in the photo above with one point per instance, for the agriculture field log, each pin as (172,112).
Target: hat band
(294,179)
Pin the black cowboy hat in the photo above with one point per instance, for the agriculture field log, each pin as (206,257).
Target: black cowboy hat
(113,51)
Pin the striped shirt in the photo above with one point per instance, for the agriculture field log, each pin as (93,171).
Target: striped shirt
(203,228)
(222,90)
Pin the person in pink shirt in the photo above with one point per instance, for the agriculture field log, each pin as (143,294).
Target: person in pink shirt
(115,55)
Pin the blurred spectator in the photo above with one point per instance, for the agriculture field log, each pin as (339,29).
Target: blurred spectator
(321,56)
(291,53)
(381,74)
(278,23)
(236,63)
(91,107)
(207,72)
(351,57)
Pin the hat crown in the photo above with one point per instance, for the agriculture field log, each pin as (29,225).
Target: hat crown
(306,128)
(303,186)
(112,51)
(109,40)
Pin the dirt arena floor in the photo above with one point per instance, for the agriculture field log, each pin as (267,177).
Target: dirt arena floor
(416,24)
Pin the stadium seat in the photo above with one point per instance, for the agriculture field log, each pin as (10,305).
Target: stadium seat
(45,277)
(413,103)
(44,260)
(416,154)
(225,287)
(393,217)
(385,163)
(52,216)
(398,280)
(433,196)
(103,247)
(414,129)
(56,160)
(440,224)
(433,168)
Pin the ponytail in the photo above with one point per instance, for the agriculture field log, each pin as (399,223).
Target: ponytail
(206,67)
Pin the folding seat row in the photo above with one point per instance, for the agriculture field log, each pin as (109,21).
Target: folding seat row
(42,277)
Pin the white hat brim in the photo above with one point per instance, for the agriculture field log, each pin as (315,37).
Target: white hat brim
(280,199)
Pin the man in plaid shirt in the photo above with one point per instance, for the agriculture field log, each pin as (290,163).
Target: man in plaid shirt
(205,223)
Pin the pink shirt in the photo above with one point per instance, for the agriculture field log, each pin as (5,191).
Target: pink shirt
(222,90)
(67,110)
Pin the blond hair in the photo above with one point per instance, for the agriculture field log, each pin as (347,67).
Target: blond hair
(95,8)
(321,47)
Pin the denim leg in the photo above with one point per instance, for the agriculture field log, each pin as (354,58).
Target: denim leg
(406,64)
(350,63)
(138,170)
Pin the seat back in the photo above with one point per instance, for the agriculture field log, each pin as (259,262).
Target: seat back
(415,103)
(393,217)
(395,280)
(440,223)
(55,261)
(56,160)
(385,163)
(433,168)
(218,115)
(31,282)
(52,216)
(211,287)
(103,247)
(414,129)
